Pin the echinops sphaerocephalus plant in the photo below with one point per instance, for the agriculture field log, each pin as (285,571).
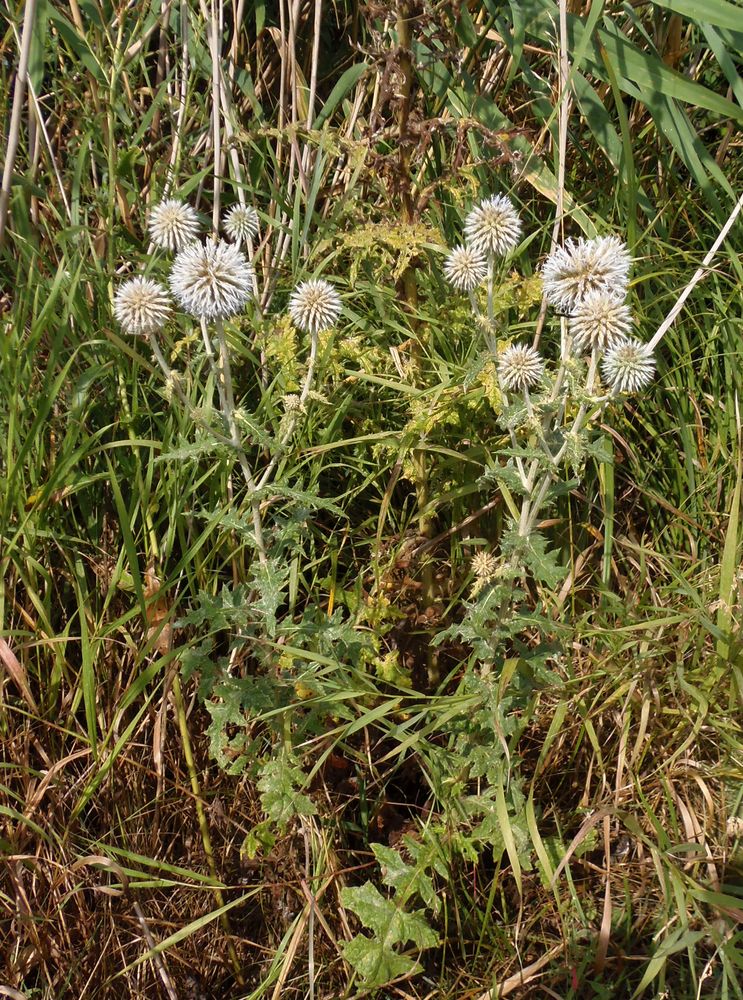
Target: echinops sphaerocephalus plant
(552,397)
(213,281)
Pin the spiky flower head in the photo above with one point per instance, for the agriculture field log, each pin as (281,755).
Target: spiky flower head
(173,224)
(314,305)
(493,226)
(484,565)
(600,320)
(520,367)
(465,268)
(241,223)
(141,306)
(211,280)
(582,266)
(629,366)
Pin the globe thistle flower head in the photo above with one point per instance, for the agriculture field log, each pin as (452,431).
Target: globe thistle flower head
(241,223)
(493,226)
(600,320)
(628,366)
(173,225)
(141,306)
(314,305)
(465,268)
(212,280)
(484,565)
(582,266)
(520,367)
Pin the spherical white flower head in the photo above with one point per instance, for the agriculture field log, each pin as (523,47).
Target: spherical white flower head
(493,226)
(211,281)
(241,223)
(520,367)
(484,565)
(629,366)
(314,305)
(465,268)
(141,306)
(577,268)
(173,225)
(600,320)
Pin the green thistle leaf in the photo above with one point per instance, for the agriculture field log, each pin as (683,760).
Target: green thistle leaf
(374,958)
(279,784)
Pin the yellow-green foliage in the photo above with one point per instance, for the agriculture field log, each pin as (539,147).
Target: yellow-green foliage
(527,293)
(278,339)
(514,291)
(389,246)
(488,379)
(388,668)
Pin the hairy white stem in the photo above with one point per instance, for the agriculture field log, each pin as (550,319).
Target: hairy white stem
(531,510)
(525,508)
(227,407)
(491,280)
(592,370)
(590,383)
(527,401)
(225,371)
(532,504)
(486,321)
(519,461)
(228,412)
(172,380)
(211,356)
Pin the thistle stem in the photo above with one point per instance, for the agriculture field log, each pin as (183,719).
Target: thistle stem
(225,373)
(171,379)
(228,413)
(491,280)
(565,346)
(592,368)
(527,401)
(536,505)
(227,408)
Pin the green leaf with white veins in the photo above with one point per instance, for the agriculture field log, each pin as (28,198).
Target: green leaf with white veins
(269,580)
(408,880)
(374,962)
(279,786)
(375,959)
